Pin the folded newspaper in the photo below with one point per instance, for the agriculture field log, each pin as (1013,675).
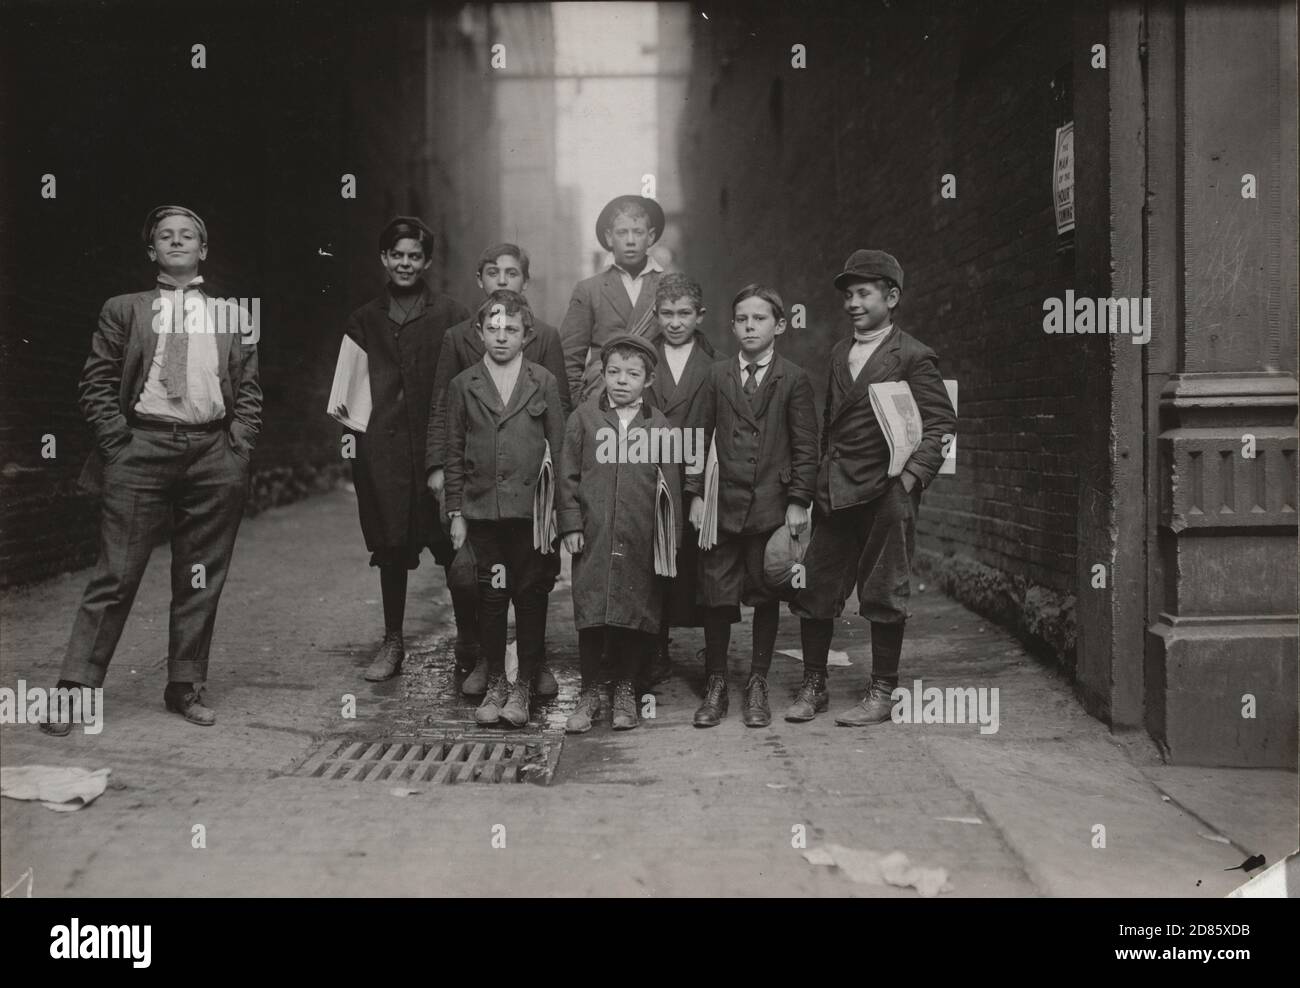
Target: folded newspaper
(709,525)
(665,528)
(545,526)
(349,401)
(900,421)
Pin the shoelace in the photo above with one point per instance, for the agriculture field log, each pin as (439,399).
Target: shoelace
(809,689)
(759,686)
(716,688)
(624,695)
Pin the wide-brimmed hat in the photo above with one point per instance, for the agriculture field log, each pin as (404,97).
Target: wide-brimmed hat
(870,264)
(606,218)
(779,559)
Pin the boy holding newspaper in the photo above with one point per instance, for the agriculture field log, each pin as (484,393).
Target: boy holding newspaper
(886,418)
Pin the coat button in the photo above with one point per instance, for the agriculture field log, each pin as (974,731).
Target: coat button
(752,460)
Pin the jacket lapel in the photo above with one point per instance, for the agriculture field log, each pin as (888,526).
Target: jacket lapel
(767,387)
(525,387)
(613,290)
(482,388)
(882,363)
(645,300)
(732,392)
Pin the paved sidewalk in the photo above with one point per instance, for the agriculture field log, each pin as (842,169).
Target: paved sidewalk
(663,810)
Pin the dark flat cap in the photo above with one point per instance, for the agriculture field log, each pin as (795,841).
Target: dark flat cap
(462,574)
(780,557)
(639,343)
(606,218)
(871,264)
(159,213)
(403,224)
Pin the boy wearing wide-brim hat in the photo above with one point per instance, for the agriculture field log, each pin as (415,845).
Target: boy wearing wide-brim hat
(176,407)
(619,299)
(607,512)
(865,519)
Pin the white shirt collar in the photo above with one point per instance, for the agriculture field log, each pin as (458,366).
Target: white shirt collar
(761,362)
(650,265)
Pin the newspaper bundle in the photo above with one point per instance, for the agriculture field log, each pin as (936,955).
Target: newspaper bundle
(665,528)
(545,526)
(349,401)
(900,421)
(709,525)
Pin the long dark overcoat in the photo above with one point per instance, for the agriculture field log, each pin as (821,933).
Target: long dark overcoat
(676,400)
(396,507)
(612,504)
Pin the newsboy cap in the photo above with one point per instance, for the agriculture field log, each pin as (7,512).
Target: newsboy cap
(639,343)
(400,227)
(870,264)
(159,213)
(462,574)
(780,556)
(606,218)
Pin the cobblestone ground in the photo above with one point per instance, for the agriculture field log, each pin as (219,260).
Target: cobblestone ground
(663,810)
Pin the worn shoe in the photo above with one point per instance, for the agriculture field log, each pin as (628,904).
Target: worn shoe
(184,699)
(388,660)
(467,655)
(874,708)
(489,711)
(811,699)
(59,728)
(544,684)
(714,707)
(756,713)
(476,682)
(587,711)
(515,712)
(624,706)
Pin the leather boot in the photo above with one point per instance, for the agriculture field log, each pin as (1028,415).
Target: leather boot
(585,713)
(184,699)
(874,708)
(50,725)
(757,713)
(388,660)
(625,717)
(714,707)
(489,711)
(812,698)
(544,684)
(515,712)
(476,682)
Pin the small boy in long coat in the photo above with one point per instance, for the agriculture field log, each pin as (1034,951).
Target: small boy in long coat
(401,333)
(607,515)
(685,356)
(501,414)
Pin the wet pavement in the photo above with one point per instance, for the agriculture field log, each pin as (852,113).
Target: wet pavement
(666,809)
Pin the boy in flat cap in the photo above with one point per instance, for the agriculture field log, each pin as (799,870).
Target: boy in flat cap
(620,299)
(501,414)
(501,267)
(759,410)
(401,332)
(176,408)
(607,514)
(866,520)
(684,358)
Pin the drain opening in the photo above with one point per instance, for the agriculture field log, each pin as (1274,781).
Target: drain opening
(432,761)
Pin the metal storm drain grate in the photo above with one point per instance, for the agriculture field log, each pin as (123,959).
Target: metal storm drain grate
(432,761)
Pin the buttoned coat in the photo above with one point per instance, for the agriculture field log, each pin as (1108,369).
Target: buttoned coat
(395,505)
(495,450)
(462,347)
(121,353)
(854,467)
(612,504)
(600,308)
(767,447)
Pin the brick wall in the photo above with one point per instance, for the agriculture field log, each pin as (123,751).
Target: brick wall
(256,142)
(787,170)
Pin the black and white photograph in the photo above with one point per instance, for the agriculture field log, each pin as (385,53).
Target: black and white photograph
(643,451)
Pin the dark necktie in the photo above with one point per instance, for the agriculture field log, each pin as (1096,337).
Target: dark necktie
(176,356)
(751,381)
